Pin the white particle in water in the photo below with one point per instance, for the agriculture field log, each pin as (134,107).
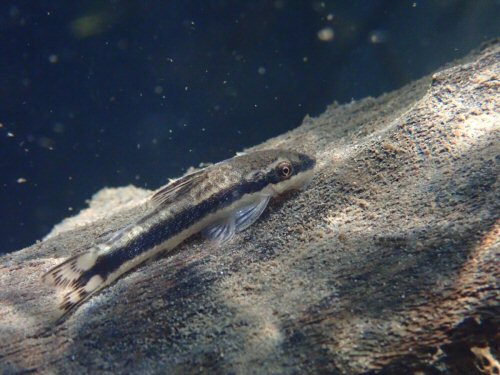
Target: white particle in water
(58,128)
(326,35)
(378,36)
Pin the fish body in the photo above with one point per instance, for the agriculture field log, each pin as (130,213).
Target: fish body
(219,201)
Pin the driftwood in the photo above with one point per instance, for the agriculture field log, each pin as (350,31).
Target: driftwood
(388,263)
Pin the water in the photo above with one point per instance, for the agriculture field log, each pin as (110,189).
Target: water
(108,93)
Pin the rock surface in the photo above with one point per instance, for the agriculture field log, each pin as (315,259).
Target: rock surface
(388,263)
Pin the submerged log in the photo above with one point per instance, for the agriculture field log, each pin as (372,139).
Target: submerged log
(389,262)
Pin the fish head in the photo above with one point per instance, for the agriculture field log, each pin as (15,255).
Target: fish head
(275,172)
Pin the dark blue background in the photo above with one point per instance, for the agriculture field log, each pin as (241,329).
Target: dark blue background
(108,93)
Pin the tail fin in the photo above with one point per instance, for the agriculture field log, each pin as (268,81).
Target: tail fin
(77,278)
(68,272)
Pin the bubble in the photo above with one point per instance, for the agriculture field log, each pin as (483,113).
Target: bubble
(14,11)
(46,142)
(58,128)
(326,34)
(319,6)
(279,4)
(89,25)
(261,70)
(378,36)
(53,59)
(122,44)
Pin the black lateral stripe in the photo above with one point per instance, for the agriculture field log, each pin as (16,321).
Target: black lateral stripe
(306,163)
(174,225)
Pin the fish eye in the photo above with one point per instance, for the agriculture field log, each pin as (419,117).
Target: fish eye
(284,169)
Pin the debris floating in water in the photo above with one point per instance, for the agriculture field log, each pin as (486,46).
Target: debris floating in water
(378,36)
(53,59)
(326,35)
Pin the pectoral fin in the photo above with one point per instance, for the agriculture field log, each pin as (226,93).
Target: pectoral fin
(247,215)
(221,231)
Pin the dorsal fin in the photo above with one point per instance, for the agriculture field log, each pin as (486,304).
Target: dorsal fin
(176,189)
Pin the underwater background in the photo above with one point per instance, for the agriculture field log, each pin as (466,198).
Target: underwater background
(117,92)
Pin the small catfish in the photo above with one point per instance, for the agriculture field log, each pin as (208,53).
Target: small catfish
(219,201)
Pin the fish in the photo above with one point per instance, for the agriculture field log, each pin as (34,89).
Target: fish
(218,201)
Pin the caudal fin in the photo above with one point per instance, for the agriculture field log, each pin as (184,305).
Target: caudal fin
(78,279)
(68,272)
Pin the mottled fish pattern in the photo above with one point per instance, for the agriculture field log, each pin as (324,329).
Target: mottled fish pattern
(220,200)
